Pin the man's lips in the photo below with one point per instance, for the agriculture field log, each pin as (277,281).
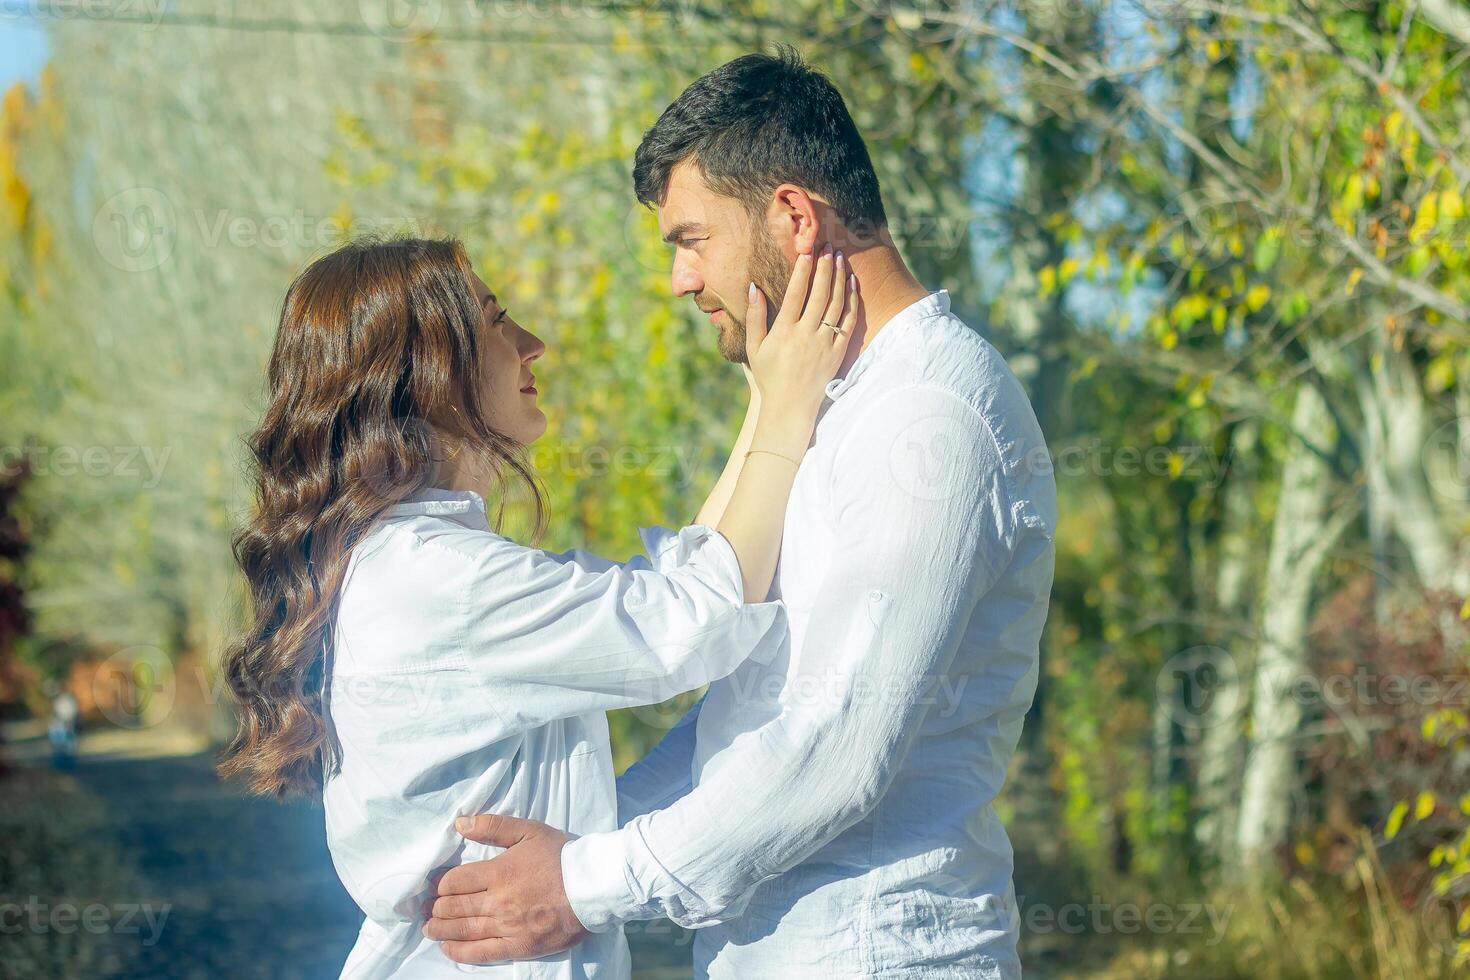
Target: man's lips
(530,388)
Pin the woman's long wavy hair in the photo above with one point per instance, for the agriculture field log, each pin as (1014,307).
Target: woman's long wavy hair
(375,377)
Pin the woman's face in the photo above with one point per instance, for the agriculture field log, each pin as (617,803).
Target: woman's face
(509,388)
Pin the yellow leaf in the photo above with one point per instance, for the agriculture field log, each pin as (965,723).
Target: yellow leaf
(1048,279)
(1393,124)
(1424,805)
(1067,270)
(1395,820)
(1425,217)
(1451,205)
(1354,277)
(1257,297)
(1171,340)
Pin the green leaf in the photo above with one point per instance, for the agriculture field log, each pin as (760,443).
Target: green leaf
(1268,247)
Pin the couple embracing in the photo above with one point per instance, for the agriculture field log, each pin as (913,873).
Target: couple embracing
(863,592)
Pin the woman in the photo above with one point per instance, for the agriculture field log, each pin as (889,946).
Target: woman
(415,666)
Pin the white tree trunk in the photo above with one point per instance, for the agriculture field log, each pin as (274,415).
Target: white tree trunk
(1221,743)
(1303,533)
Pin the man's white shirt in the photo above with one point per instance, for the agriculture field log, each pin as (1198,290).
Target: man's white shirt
(826,810)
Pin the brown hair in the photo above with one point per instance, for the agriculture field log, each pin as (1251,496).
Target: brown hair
(376,367)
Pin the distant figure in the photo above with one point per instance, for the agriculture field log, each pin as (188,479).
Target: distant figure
(63,730)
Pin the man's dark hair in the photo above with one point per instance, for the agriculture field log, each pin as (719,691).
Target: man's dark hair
(758,122)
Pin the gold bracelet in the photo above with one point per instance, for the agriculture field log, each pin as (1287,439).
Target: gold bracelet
(769,452)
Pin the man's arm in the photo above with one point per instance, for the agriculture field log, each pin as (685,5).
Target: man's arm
(927,523)
(926,527)
(662,776)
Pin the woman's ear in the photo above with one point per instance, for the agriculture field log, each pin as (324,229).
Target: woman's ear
(794,217)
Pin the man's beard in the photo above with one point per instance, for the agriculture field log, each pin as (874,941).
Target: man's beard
(771,272)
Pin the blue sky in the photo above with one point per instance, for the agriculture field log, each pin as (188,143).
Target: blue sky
(22,49)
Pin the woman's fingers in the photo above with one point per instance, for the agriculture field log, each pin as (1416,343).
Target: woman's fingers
(849,315)
(821,291)
(841,286)
(796,289)
(756,324)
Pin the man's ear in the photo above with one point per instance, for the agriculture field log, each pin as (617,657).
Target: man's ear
(794,217)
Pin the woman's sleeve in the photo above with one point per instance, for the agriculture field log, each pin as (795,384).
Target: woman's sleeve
(661,552)
(564,637)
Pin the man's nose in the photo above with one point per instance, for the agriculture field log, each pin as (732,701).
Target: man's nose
(685,279)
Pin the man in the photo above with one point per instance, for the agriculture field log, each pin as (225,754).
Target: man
(825,813)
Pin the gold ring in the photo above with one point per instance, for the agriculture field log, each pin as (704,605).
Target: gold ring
(836,330)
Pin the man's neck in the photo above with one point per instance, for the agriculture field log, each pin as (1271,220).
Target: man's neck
(887,287)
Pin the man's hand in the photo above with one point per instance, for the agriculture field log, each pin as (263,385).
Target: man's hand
(511,907)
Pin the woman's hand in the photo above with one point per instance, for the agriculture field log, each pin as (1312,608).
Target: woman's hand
(792,361)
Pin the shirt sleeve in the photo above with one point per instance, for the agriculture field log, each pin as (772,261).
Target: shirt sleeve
(662,551)
(662,776)
(561,637)
(925,525)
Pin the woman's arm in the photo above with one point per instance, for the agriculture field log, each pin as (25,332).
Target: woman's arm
(792,362)
(719,497)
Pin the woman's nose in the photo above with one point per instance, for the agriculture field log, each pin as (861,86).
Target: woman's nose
(532,347)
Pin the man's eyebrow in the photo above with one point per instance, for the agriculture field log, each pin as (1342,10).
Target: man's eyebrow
(681,229)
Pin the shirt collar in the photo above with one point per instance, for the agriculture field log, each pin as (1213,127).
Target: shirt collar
(935,304)
(461,506)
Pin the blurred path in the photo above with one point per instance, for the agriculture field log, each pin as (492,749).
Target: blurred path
(248,882)
(248,885)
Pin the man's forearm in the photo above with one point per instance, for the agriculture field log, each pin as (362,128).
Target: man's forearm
(662,776)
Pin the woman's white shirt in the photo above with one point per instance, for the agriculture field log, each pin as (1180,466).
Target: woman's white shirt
(470,674)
